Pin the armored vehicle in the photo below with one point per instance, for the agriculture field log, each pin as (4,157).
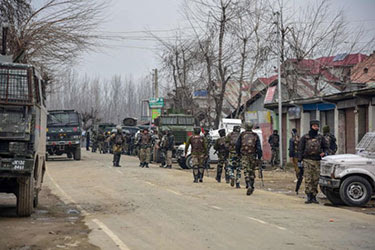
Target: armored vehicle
(349,179)
(22,134)
(64,133)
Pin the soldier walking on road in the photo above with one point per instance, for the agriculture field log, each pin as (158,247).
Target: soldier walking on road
(168,145)
(330,140)
(145,144)
(293,150)
(234,159)
(274,141)
(118,144)
(222,152)
(311,149)
(198,152)
(249,148)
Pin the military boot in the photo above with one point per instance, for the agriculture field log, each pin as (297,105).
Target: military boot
(226,177)
(232,181)
(146,165)
(250,188)
(238,185)
(247,184)
(200,177)
(169,166)
(195,175)
(218,177)
(313,199)
(308,199)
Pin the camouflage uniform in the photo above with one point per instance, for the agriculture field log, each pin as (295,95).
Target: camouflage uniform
(248,146)
(222,151)
(101,140)
(234,158)
(118,143)
(198,152)
(293,151)
(145,144)
(330,140)
(310,149)
(168,147)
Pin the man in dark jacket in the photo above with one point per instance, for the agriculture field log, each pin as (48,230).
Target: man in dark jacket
(311,149)
(167,147)
(273,140)
(330,139)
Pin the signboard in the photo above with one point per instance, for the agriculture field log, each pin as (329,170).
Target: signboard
(156,113)
(156,102)
(269,95)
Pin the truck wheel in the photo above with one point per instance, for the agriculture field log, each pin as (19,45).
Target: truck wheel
(334,197)
(25,196)
(355,191)
(189,162)
(77,154)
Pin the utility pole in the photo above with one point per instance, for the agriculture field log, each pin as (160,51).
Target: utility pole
(156,84)
(279,88)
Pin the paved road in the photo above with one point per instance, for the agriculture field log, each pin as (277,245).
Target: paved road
(136,208)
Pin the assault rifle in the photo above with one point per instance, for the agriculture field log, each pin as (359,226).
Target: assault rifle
(299,180)
(260,165)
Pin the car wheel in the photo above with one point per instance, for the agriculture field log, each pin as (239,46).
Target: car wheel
(355,191)
(189,162)
(334,197)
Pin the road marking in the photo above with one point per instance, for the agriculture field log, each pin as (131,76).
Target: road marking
(217,208)
(120,244)
(266,223)
(173,192)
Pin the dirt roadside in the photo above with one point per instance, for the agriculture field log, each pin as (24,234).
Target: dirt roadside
(280,181)
(53,225)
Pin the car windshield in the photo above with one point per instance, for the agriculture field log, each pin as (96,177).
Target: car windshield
(63,119)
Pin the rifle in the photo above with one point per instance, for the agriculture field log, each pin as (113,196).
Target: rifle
(206,164)
(300,178)
(260,169)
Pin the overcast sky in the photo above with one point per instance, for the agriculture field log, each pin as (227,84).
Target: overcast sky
(137,57)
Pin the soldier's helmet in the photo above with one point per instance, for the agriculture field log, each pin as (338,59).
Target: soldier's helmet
(222,132)
(118,128)
(197,130)
(249,126)
(325,129)
(237,128)
(314,122)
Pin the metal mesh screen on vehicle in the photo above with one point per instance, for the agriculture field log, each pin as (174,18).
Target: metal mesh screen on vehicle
(15,86)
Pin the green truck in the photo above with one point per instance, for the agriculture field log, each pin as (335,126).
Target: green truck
(23,118)
(64,133)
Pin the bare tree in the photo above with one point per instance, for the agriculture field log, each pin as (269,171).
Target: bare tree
(55,33)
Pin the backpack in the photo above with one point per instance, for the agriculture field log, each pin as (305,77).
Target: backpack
(233,137)
(248,142)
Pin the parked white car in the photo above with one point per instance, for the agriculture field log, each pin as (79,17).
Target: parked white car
(186,162)
(349,179)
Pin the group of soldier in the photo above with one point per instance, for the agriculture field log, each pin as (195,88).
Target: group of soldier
(235,151)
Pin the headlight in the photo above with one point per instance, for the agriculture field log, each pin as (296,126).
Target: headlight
(48,138)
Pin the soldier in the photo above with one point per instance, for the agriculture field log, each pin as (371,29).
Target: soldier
(293,150)
(87,140)
(118,143)
(168,147)
(273,140)
(311,149)
(198,152)
(101,140)
(162,153)
(222,151)
(145,144)
(94,141)
(330,140)
(248,146)
(234,159)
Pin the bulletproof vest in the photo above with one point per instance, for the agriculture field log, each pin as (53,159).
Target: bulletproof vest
(313,145)
(145,139)
(221,145)
(196,142)
(233,137)
(275,140)
(248,142)
(118,139)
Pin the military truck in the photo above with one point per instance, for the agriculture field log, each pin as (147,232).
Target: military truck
(64,133)
(23,118)
(349,179)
